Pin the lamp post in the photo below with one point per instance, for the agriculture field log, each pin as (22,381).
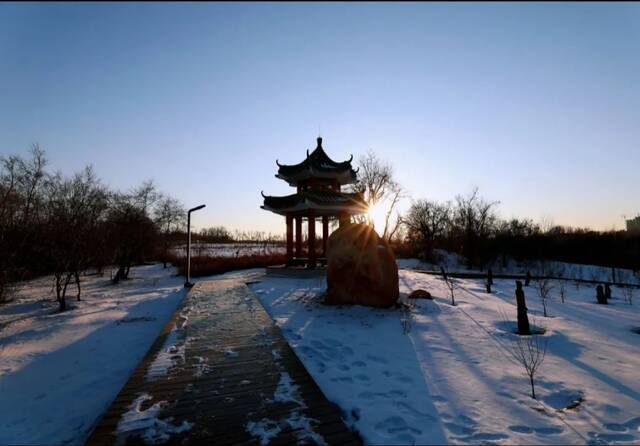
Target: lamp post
(187,283)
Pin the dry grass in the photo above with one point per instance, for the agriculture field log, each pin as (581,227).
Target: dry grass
(207,266)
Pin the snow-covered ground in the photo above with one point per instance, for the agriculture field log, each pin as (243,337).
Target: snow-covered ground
(60,371)
(450,379)
(230,249)
(455,263)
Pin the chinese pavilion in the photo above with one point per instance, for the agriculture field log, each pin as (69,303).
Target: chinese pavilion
(318,181)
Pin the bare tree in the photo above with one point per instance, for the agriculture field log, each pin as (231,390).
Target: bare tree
(31,179)
(21,186)
(627,292)
(75,207)
(563,291)
(216,234)
(169,215)
(397,194)
(132,233)
(377,185)
(544,287)
(426,221)
(528,351)
(474,218)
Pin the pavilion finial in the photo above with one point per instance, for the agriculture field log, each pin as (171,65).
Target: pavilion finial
(319,139)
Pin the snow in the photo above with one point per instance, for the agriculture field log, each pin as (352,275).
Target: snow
(451,380)
(146,422)
(287,391)
(446,378)
(264,430)
(60,371)
(172,351)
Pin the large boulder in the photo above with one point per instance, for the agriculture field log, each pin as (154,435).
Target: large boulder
(361,268)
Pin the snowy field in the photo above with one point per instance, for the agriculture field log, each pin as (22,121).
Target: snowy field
(60,371)
(455,263)
(230,249)
(450,379)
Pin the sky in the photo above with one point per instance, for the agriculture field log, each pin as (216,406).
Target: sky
(537,105)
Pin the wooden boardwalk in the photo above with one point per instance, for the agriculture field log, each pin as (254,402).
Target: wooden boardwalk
(219,367)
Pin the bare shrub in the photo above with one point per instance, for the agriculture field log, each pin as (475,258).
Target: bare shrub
(451,284)
(406,317)
(563,291)
(529,352)
(544,287)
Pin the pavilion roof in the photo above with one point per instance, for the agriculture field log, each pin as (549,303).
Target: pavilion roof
(317,164)
(325,202)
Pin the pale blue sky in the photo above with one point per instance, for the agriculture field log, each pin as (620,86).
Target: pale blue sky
(537,104)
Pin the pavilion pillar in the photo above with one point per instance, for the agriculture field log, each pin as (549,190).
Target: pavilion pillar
(325,234)
(289,238)
(312,238)
(298,236)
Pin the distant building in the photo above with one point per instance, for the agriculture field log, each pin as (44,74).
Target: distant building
(633,225)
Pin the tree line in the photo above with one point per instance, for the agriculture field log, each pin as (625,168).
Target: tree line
(66,225)
(470,226)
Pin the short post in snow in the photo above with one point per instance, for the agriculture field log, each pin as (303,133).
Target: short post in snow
(187,283)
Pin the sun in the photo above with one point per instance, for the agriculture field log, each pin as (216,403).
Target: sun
(377,214)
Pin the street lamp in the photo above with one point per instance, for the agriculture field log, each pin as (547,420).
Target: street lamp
(188,283)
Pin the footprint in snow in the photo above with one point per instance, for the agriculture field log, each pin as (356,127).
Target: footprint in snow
(409,409)
(600,438)
(395,424)
(377,359)
(404,379)
(548,430)
(345,379)
(397,393)
(458,429)
(521,429)
(487,436)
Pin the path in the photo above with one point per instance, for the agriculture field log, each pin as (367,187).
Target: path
(221,371)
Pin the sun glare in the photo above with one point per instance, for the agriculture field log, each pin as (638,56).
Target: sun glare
(376,213)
